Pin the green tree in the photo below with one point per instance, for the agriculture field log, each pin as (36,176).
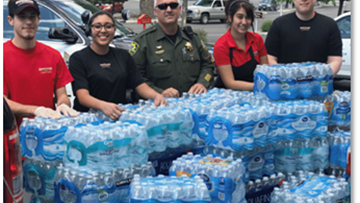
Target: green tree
(147,7)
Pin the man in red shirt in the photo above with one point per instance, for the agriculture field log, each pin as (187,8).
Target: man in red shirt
(33,72)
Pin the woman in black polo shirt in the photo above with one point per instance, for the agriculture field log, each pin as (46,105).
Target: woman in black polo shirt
(102,73)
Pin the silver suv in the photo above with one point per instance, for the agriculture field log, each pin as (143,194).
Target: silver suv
(205,10)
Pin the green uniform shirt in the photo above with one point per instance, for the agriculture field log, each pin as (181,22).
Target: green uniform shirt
(164,64)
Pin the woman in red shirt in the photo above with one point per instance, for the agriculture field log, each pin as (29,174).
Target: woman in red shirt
(238,51)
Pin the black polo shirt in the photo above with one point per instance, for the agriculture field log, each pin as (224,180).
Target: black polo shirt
(106,77)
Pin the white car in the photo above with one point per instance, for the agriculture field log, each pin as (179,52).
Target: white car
(342,80)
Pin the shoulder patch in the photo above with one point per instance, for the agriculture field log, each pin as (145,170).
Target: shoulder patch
(204,46)
(134,47)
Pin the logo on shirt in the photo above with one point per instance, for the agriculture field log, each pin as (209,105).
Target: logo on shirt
(134,47)
(305,28)
(45,70)
(105,65)
(255,53)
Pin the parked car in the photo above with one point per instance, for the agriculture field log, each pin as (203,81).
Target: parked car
(205,10)
(342,81)
(109,7)
(268,5)
(66,20)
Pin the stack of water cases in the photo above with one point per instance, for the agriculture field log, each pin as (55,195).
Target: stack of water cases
(73,185)
(42,145)
(273,126)
(339,107)
(293,81)
(169,189)
(339,147)
(310,187)
(223,177)
(103,155)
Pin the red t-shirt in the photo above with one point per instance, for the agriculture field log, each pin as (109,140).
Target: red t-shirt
(224,43)
(31,76)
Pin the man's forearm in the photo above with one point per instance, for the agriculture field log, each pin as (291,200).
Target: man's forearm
(21,109)
(335,63)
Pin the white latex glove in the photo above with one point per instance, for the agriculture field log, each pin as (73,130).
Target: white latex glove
(66,110)
(47,113)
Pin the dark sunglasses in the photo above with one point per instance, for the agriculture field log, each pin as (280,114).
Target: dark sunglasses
(165,6)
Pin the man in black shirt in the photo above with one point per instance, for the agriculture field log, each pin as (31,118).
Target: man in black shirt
(305,36)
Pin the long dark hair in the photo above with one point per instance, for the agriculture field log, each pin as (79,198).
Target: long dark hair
(232,6)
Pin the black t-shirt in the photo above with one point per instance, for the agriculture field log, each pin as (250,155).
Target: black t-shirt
(106,77)
(293,40)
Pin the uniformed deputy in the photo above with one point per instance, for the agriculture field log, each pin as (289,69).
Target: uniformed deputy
(172,60)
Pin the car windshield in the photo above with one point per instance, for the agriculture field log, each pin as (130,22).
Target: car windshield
(76,8)
(203,3)
(265,1)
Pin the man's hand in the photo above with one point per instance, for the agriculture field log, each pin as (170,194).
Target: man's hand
(112,110)
(66,110)
(197,89)
(170,92)
(160,100)
(47,113)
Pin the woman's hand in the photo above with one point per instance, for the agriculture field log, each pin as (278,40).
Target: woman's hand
(112,110)
(160,100)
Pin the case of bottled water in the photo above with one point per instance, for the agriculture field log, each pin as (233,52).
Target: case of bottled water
(244,127)
(257,162)
(338,105)
(43,138)
(339,145)
(293,81)
(168,189)
(310,187)
(301,154)
(106,146)
(39,178)
(72,185)
(223,177)
(260,190)
(165,126)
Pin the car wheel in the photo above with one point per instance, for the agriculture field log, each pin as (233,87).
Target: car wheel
(204,18)
(188,21)
(223,20)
